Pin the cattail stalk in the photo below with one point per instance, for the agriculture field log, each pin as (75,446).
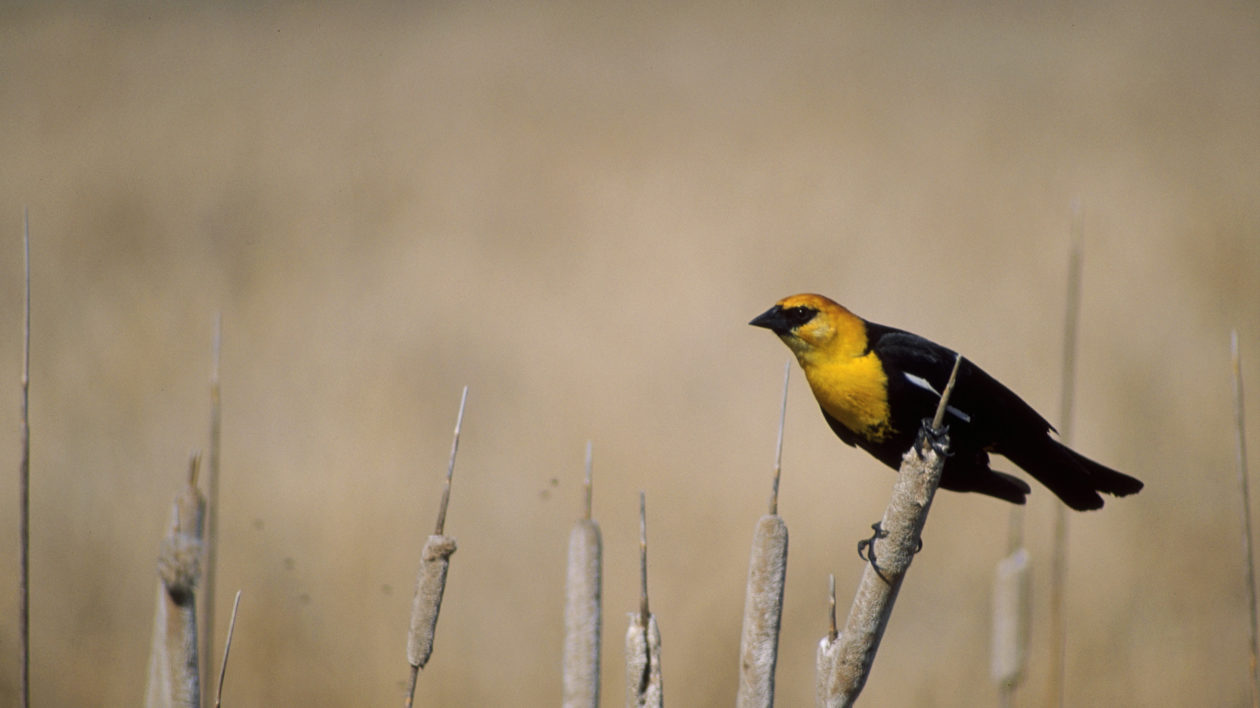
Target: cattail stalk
(643,638)
(902,526)
(1240,463)
(1058,555)
(174,671)
(24,483)
(583,612)
(763,594)
(435,559)
(212,506)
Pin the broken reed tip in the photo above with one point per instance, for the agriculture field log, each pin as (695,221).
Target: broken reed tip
(643,589)
(778,446)
(939,419)
(194,467)
(216,348)
(833,631)
(440,526)
(588,490)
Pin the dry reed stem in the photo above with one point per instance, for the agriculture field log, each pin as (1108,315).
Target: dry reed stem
(227,647)
(1240,463)
(24,482)
(431,578)
(212,507)
(583,613)
(902,526)
(643,638)
(1058,554)
(174,672)
(763,593)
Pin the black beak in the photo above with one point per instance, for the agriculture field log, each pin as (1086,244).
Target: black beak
(772,320)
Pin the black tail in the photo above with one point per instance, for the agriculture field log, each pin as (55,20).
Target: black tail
(1001,485)
(1072,477)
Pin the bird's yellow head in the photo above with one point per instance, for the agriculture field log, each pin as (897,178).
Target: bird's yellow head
(815,327)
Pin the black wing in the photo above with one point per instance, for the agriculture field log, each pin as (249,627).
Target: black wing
(918,370)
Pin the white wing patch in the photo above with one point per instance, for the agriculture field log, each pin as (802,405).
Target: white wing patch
(927,386)
(921,383)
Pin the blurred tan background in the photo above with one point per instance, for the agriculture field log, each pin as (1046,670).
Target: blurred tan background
(575,209)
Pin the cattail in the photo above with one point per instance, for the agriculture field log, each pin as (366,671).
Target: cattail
(763,595)
(643,664)
(643,638)
(582,607)
(763,608)
(431,579)
(427,603)
(1010,620)
(828,655)
(174,678)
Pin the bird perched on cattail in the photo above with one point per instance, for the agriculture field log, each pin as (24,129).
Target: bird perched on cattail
(876,384)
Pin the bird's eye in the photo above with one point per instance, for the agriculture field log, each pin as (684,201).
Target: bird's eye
(799,315)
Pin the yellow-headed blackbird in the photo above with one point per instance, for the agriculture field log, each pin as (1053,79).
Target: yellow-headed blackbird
(876,384)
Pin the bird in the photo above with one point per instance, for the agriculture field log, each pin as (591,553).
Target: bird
(876,384)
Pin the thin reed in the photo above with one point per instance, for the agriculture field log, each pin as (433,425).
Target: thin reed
(1240,463)
(212,506)
(1058,553)
(24,481)
(227,648)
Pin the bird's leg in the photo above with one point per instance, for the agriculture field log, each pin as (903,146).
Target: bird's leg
(866,548)
(937,439)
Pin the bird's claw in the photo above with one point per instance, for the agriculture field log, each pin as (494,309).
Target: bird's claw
(866,547)
(937,439)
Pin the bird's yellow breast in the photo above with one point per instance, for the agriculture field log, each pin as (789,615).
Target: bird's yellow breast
(854,391)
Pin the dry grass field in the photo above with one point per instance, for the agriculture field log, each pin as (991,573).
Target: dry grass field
(575,209)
